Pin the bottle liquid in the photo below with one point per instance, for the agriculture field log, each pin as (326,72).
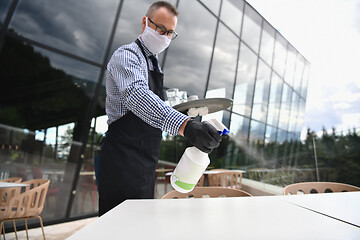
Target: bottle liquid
(192,164)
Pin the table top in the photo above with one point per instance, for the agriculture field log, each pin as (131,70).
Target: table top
(213,104)
(9,185)
(268,217)
(339,207)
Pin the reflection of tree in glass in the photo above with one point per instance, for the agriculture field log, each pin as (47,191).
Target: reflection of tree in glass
(34,95)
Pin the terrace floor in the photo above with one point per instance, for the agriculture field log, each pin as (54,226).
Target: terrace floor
(53,232)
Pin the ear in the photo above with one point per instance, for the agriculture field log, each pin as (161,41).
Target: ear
(143,23)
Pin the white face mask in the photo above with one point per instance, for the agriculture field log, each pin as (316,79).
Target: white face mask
(155,42)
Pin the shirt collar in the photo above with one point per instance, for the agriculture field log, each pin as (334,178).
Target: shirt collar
(147,51)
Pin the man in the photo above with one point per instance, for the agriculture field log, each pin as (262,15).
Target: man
(137,114)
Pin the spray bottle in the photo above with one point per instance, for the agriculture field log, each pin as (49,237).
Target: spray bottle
(193,163)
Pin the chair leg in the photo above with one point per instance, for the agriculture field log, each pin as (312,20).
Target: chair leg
(42,227)
(15,229)
(2,229)
(26,229)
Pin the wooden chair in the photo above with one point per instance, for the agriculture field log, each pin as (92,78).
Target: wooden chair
(201,181)
(225,178)
(7,193)
(12,180)
(318,187)
(202,192)
(25,205)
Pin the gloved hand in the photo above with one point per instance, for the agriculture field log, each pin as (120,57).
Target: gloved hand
(202,135)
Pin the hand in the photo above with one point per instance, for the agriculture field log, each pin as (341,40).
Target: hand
(202,135)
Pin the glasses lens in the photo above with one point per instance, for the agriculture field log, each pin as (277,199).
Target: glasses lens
(173,35)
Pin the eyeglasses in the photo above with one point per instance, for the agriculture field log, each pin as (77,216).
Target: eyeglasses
(163,31)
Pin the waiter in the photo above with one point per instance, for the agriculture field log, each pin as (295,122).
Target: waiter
(137,113)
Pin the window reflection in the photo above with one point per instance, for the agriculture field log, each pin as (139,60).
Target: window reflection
(223,67)
(66,25)
(281,136)
(280,55)
(257,132)
(239,128)
(251,28)
(188,57)
(274,100)
(299,73)
(290,65)
(270,135)
(231,14)
(244,81)
(293,112)
(304,83)
(267,43)
(213,5)
(285,107)
(261,94)
(50,99)
(300,117)
(4,7)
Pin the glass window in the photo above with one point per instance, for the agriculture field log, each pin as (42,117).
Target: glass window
(299,73)
(285,107)
(239,127)
(281,136)
(47,105)
(267,43)
(270,135)
(188,57)
(251,28)
(291,137)
(257,132)
(66,25)
(245,81)
(213,5)
(305,81)
(274,100)
(261,94)
(231,14)
(294,112)
(300,116)
(290,65)
(280,55)
(4,7)
(223,67)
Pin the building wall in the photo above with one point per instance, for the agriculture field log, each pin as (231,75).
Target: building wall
(53,57)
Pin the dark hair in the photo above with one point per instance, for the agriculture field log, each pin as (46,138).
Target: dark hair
(159,4)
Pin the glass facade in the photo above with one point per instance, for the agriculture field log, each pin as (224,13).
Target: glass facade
(53,57)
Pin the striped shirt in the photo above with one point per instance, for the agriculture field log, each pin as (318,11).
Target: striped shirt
(127,90)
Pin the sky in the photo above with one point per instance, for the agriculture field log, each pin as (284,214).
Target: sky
(327,34)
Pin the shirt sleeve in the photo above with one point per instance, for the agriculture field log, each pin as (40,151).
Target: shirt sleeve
(131,78)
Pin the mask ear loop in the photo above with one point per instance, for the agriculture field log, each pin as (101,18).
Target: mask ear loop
(146,21)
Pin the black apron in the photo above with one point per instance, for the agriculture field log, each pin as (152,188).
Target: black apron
(130,155)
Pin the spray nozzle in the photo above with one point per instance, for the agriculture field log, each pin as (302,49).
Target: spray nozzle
(219,126)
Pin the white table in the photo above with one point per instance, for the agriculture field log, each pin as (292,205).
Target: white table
(343,206)
(270,217)
(10,185)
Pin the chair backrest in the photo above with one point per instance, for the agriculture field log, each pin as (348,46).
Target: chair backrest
(318,187)
(201,181)
(225,178)
(202,192)
(12,180)
(7,193)
(30,202)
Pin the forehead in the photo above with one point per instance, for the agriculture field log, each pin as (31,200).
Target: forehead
(164,17)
